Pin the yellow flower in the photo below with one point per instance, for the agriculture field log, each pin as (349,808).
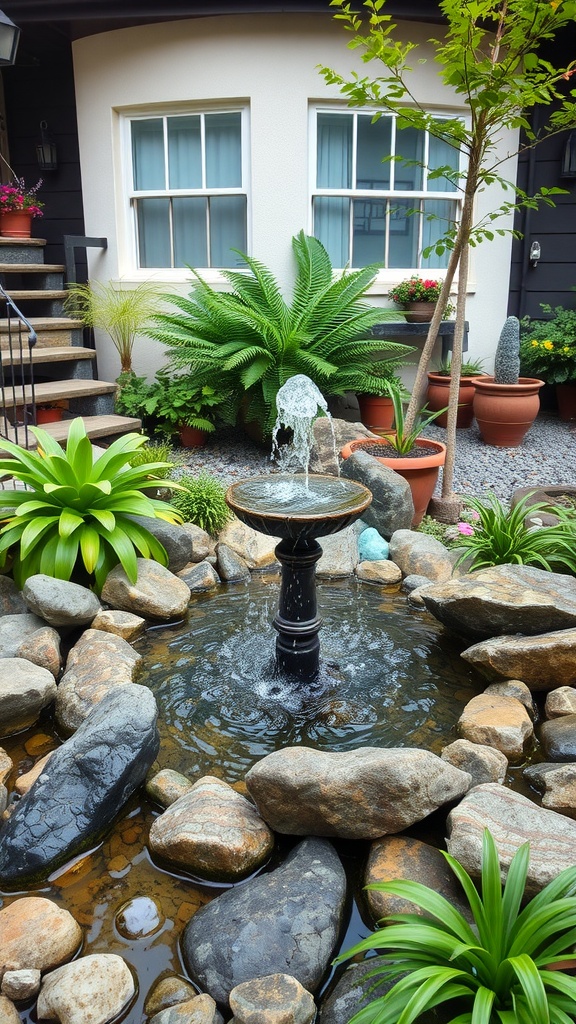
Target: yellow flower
(548,345)
(535,343)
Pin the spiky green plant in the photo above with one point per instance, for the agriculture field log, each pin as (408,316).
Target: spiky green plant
(121,312)
(200,500)
(156,452)
(501,536)
(251,340)
(493,971)
(74,517)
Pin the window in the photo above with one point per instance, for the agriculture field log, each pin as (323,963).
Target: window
(188,191)
(360,204)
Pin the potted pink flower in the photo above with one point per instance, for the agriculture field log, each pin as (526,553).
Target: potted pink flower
(417,296)
(18,205)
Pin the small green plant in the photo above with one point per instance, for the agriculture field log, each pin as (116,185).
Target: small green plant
(121,312)
(74,520)
(200,500)
(178,400)
(548,347)
(402,440)
(507,358)
(134,396)
(501,536)
(492,971)
(472,368)
(158,451)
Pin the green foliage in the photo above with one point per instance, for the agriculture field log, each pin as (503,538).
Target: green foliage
(402,439)
(200,500)
(157,451)
(493,971)
(173,400)
(507,358)
(121,312)
(501,536)
(471,368)
(548,347)
(134,396)
(74,519)
(250,341)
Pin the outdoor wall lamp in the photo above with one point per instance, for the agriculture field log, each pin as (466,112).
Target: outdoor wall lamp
(46,152)
(535,254)
(569,157)
(9,37)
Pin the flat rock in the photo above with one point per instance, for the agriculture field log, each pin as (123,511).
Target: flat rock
(157,593)
(500,722)
(256,549)
(95,988)
(176,541)
(558,738)
(421,555)
(483,763)
(42,648)
(199,577)
(14,629)
(557,783)
(285,921)
(504,599)
(98,663)
(87,781)
(358,794)
(25,690)
(400,857)
(383,573)
(560,702)
(513,819)
(196,1010)
(36,934)
(514,688)
(167,786)
(126,625)
(59,602)
(542,662)
(274,999)
(339,554)
(212,831)
(392,507)
(230,566)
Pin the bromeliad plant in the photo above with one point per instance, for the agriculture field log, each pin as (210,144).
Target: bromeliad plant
(493,971)
(74,520)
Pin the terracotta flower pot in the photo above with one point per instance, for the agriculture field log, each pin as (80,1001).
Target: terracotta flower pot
(505,412)
(376,411)
(192,437)
(420,471)
(15,224)
(419,312)
(566,399)
(48,415)
(437,398)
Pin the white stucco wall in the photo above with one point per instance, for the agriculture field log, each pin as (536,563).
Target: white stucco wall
(270,61)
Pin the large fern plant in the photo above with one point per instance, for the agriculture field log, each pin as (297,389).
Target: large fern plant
(251,340)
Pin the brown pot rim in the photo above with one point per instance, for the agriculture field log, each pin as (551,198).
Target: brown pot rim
(487,383)
(442,378)
(437,456)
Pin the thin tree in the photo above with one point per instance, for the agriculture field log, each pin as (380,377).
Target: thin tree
(488,55)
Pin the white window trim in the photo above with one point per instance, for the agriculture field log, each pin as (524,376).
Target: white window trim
(176,275)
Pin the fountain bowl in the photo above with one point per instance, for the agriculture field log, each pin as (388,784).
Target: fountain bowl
(298,507)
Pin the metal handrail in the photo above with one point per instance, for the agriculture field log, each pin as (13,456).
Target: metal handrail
(18,401)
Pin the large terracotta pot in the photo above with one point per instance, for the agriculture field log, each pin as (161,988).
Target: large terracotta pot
(15,224)
(437,398)
(421,472)
(48,415)
(376,411)
(419,312)
(505,412)
(192,437)
(566,399)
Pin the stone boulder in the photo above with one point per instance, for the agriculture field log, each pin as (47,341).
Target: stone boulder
(371,546)
(285,921)
(21,985)
(256,549)
(199,576)
(59,602)
(392,507)
(196,1010)
(231,567)
(560,702)
(557,783)
(358,794)
(203,545)
(42,648)
(542,662)
(95,988)
(418,554)
(86,783)
(167,786)
(504,599)
(169,991)
(513,819)
(176,541)
(36,934)
(8,1012)
(123,624)
(339,554)
(157,593)
(558,738)
(330,436)
(11,601)
(400,857)
(352,992)
(514,688)
(385,574)
(275,999)
(483,763)
(25,690)
(212,831)
(98,662)
(500,722)
(15,629)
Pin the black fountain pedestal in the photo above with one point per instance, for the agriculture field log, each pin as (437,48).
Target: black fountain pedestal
(297,622)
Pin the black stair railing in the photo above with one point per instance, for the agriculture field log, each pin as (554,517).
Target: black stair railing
(17,395)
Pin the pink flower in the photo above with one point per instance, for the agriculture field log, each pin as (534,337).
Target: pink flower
(465,529)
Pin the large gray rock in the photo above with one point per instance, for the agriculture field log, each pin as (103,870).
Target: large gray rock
(542,662)
(14,629)
(504,599)
(421,555)
(329,437)
(339,554)
(392,507)
(25,690)
(357,794)
(86,782)
(176,541)
(157,593)
(231,567)
(558,738)
(97,663)
(287,921)
(557,783)
(60,602)
(513,819)
(11,602)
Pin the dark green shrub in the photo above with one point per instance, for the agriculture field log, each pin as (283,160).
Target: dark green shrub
(201,501)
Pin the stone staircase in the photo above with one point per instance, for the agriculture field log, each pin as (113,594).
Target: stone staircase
(64,370)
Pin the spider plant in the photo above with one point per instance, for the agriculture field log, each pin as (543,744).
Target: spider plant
(501,535)
(493,971)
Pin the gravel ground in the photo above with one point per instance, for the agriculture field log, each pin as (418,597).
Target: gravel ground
(547,456)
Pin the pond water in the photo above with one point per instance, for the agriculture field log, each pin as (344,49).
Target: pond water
(391,676)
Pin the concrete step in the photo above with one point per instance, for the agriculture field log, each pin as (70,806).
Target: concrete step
(31,268)
(96,427)
(50,354)
(35,294)
(60,390)
(50,330)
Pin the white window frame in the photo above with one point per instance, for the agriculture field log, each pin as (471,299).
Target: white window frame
(388,276)
(212,275)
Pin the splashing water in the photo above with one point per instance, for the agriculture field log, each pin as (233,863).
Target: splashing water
(298,403)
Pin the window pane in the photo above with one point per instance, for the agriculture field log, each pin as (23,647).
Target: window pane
(368,245)
(223,150)
(184,152)
(190,236)
(443,214)
(334,168)
(372,146)
(403,247)
(227,229)
(148,154)
(410,146)
(332,227)
(153,217)
(441,154)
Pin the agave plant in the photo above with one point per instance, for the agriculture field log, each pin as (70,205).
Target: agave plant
(493,971)
(74,518)
(251,340)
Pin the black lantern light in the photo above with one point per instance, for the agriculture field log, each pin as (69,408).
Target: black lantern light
(569,157)
(9,36)
(46,153)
